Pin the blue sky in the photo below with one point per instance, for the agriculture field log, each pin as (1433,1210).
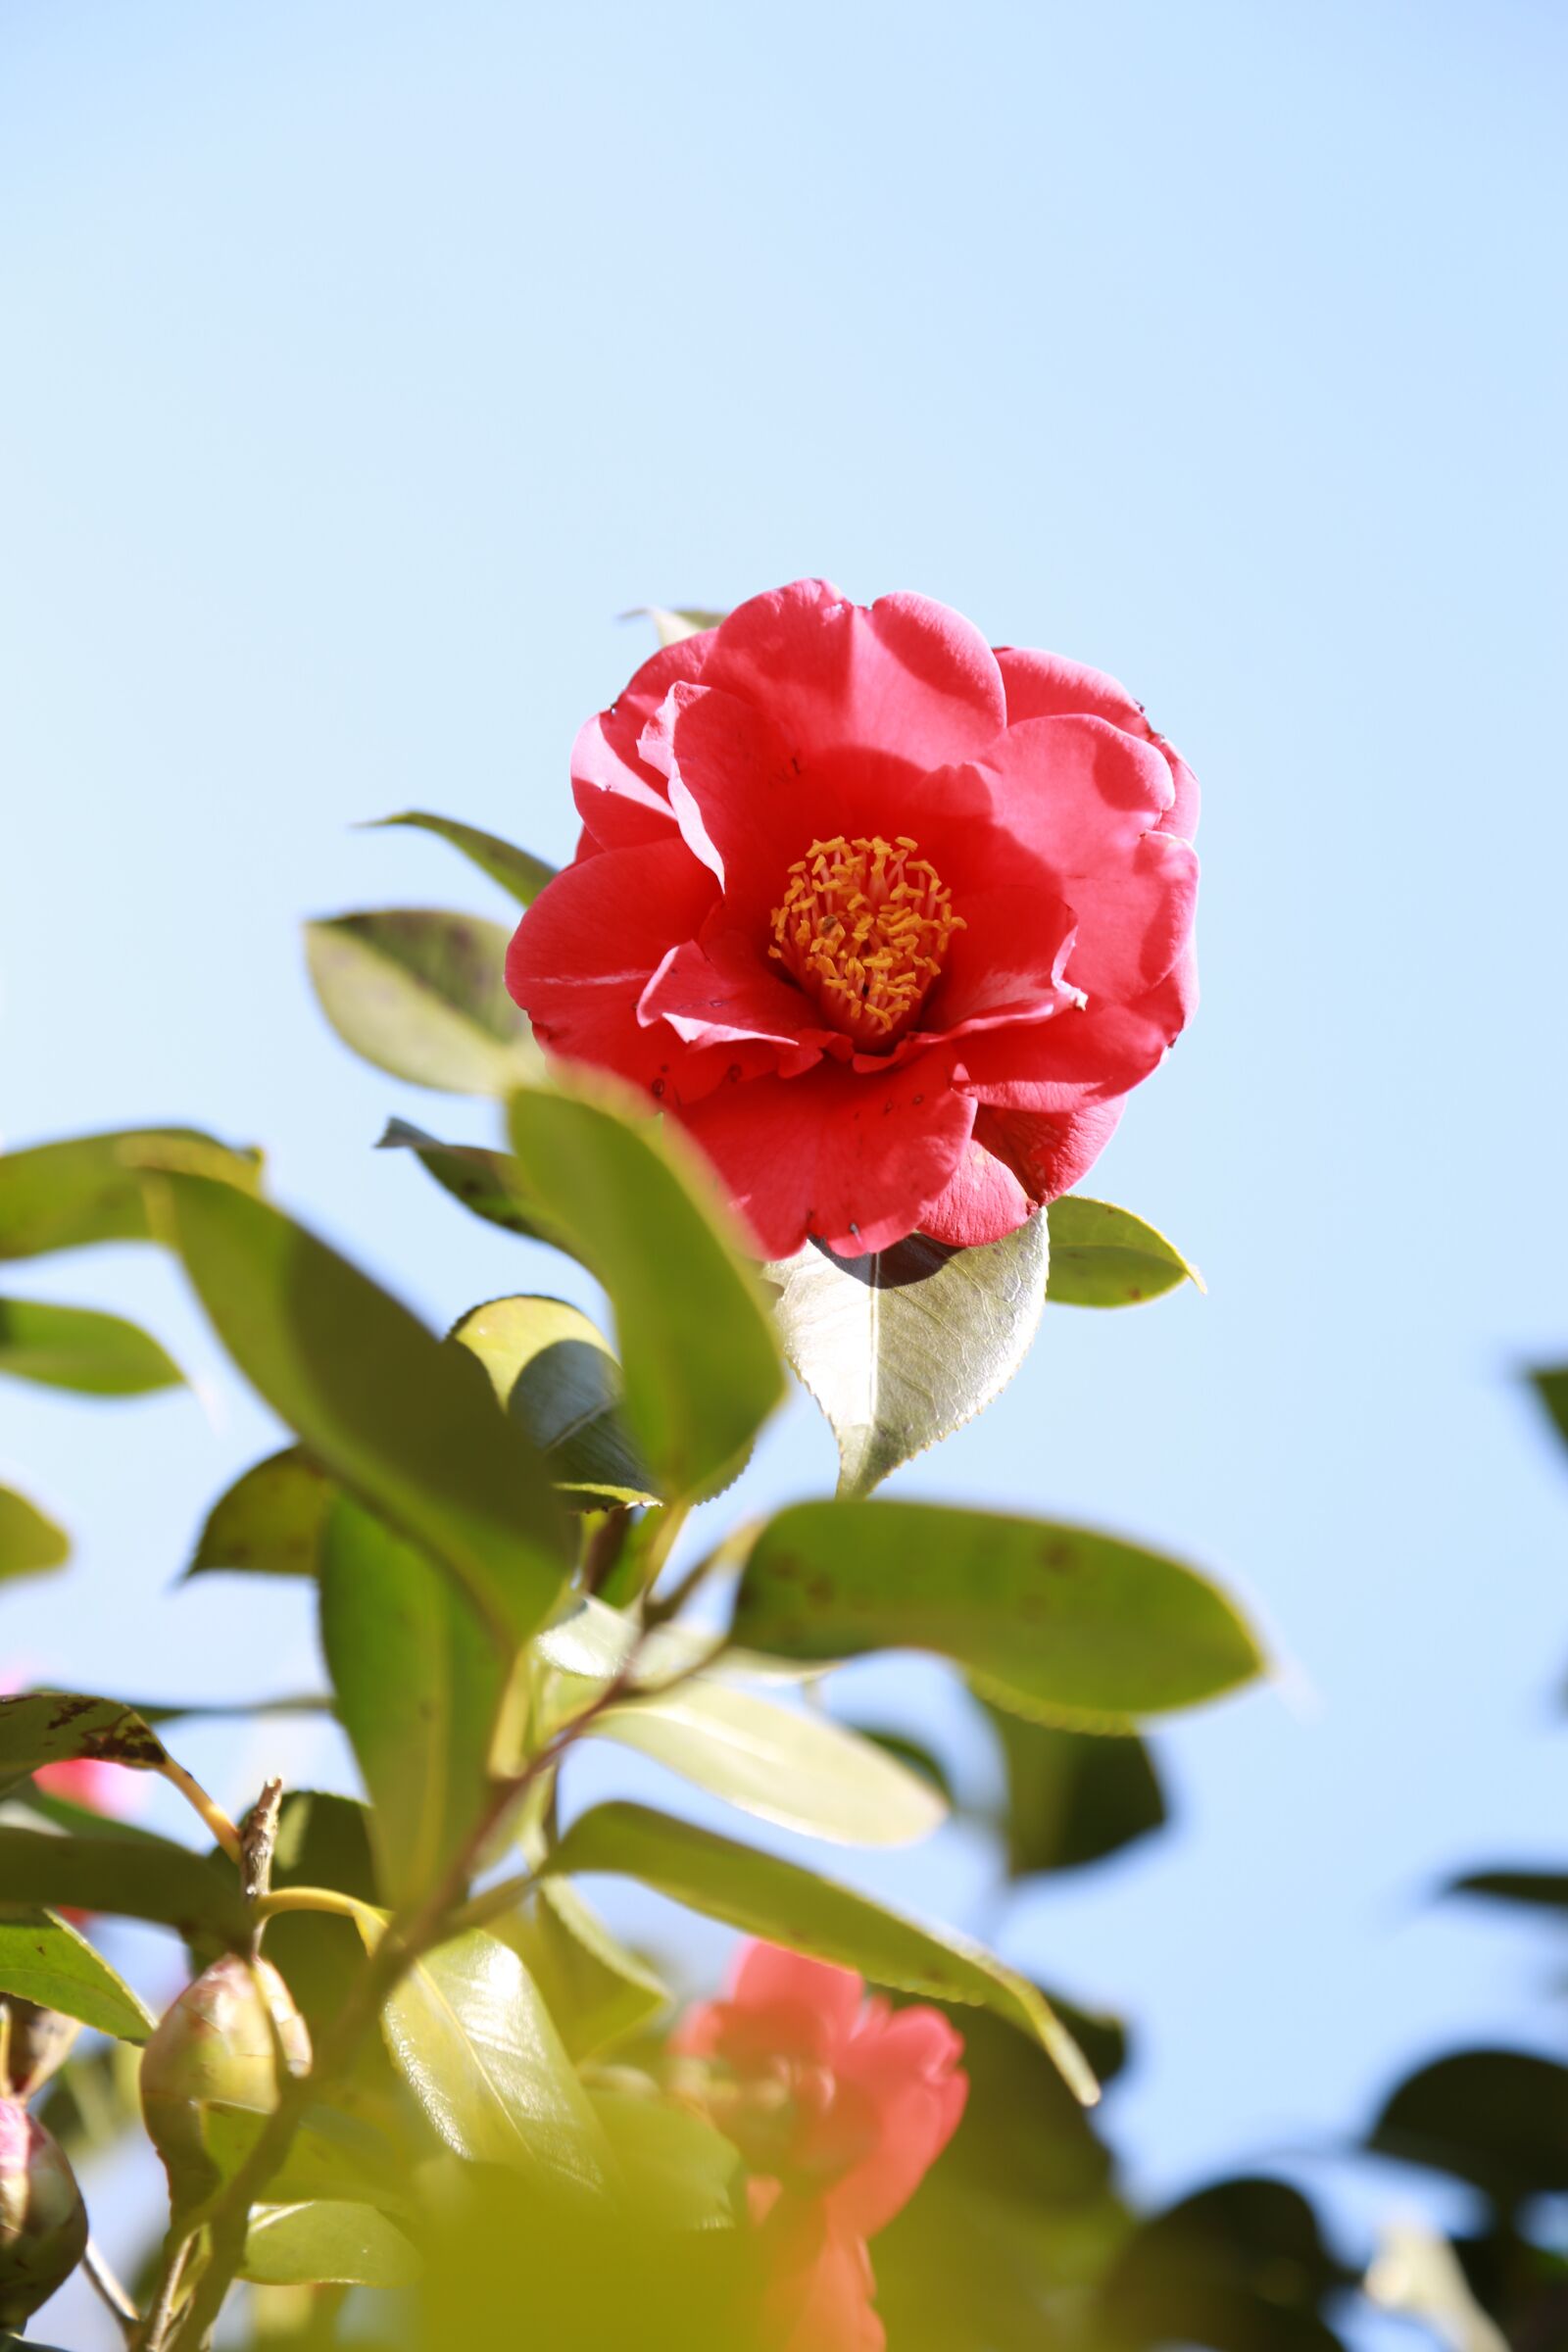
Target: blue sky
(365,361)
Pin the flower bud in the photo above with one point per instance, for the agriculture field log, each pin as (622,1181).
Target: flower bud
(230,2042)
(38,2041)
(43,2223)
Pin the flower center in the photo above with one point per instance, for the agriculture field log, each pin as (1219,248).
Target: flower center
(863,926)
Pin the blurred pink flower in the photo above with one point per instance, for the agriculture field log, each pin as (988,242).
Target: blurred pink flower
(840,2106)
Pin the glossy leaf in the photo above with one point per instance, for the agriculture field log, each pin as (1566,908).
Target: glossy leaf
(64,1196)
(596,1991)
(472,2039)
(408,1424)
(1495,2118)
(799,1770)
(702,1368)
(421,993)
(140,1878)
(556,1375)
(596,1643)
(1550,1387)
(676,2171)
(62,1727)
(1072,1797)
(29,1544)
(764,1896)
(522,875)
(1102,1255)
(269,1521)
(902,1348)
(78,1348)
(325,2242)
(486,1182)
(1050,1621)
(43,1959)
(418,1685)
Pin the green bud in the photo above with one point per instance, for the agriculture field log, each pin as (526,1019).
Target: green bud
(38,2041)
(43,2223)
(223,2052)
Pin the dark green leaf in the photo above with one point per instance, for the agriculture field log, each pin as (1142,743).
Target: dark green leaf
(61,1727)
(1102,1255)
(44,1960)
(700,1363)
(405,1422)
(911,1752)
(422,993)
(1240,2267)
(474,2043)
(1540,1890)
(322,1840)
(324,2243)
(1550,1387)
(1495,2118)
(62,1196)
(902,1348)
(767,1897)
(29,1544)
(1072,1797)
(1050,1621)
(486,1182)
(419,1685)
(140,1878)
(514,870)
(269,1522)
(596,1991)
(556,1376)
(78,1348)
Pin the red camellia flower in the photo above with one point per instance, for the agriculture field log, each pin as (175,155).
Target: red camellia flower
(891,922)
(840,2106)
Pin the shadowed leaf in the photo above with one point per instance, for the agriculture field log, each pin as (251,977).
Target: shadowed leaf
(269,1522)
(64,1196)
(525,876)
(486,1182)
(140,1878)
(555,1373)
(1072,1797)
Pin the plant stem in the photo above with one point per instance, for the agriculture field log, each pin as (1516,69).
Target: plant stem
(216,1820)
(109,2289)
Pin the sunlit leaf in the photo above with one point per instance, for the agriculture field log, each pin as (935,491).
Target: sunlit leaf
(62,1196)
(677,622)
(767,1897)
(596,1990)
(557,1375)
(140,1878)
(1051,1621)
(700,1363)
(486,1182)
(1072,1797)
(408,1424)
(44,1960)
(517,871)
(676,2171)
(326,2244)
(29,1544)
(269,1522)
(1102,1255)
(903,1346)
(62,1727)
(421,993)
(419,1683)
(78,1348)
(473,2041)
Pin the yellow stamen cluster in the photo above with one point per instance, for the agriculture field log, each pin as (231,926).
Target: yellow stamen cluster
(863,926)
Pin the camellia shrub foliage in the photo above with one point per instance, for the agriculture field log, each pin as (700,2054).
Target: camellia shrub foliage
(805,1057)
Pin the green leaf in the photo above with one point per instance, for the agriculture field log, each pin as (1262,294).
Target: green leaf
(596,1991)
(677,2171)
(421,993)
(913,1754)
(269,1521)
(322,1840)
(1242,2264)
(62,1727)
(419,1685)
(29,1544)
(798,1770)
(140,1878)
(43,1960)
(596,1643)
(406,1423)
(767,1897)
(903,1346)
(1072,1797)
(1495,2118)
(556,1374)
(62,1196)
(473,2041)
(675,623)
(700,1365)
(1550,1387)
(514,870)
(326,2242)
(78,1348)
(486,1182)
(1050,1621)
(1102,1255)
(1540,1889)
